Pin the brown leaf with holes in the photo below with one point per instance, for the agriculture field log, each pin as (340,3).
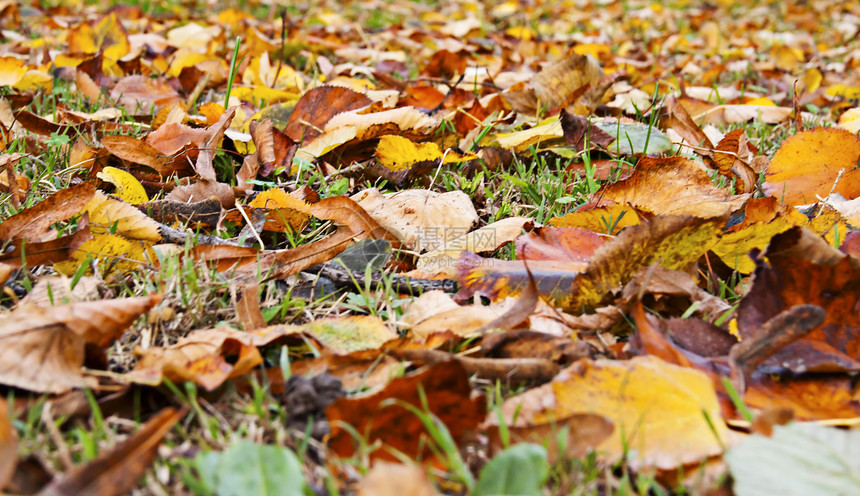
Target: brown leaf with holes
(206,357)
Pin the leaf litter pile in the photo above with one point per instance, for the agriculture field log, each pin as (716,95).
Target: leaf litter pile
(449,248)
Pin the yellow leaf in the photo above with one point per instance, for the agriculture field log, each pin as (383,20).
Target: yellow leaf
(673,241)
(128,188)
(11,70)
(110,215)
(398,153)
(349,334)
(115,255)
(762,100)
(596,50)
(523,33)
(811,80)
(665,416)
(212,111)
(603,220)
(549,129)
(807,164)
(190,59)
(850,120)
(840,90)
(65,60)
(34,80)
(786,58)
(733,248)
(284,210)
(257,93)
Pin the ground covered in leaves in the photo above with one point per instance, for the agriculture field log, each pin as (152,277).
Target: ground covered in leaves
(389,247)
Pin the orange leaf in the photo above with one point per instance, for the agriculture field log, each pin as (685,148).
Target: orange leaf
(807,164)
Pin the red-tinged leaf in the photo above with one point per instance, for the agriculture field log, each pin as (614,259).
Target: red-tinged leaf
(446,387)
(317,106)
(47,252)
(32,223)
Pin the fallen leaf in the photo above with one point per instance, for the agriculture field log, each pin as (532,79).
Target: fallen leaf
(382,416)
(396,479)
(672,185)
(117,470)
(674,242)
(8,446)
(807,164)
(201,356)
(43,348)
(421,219)
(648,401)
(792,460)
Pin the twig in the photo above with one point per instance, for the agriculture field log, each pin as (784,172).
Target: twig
(515,370)
(251,225)
(344,278)
(172,235)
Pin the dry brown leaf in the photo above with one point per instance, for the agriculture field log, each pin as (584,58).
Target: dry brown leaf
(673,185)
(390,479)
(139,94)
(201,357)
(203,190)
(421,219)
(43,348)
(8,446)
(137,152)
(117,470)
(559,84)
(248,308)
